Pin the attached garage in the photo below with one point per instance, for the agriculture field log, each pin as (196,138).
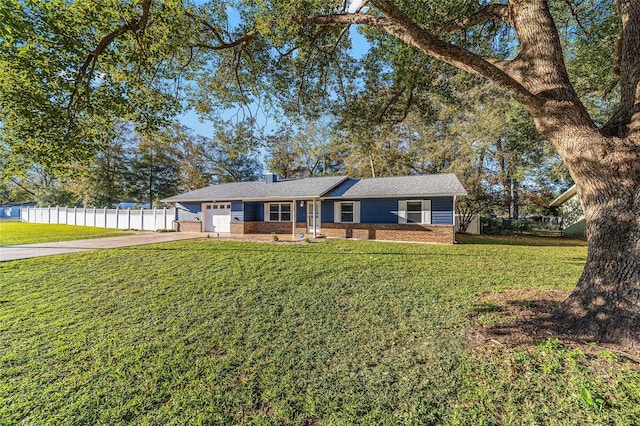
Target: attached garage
(217,217)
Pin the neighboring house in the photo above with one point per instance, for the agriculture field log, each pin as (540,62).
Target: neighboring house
(12,210)
(133,205)
(405,208)
(573,221)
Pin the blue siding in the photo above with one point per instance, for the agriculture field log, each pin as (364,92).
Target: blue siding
(373,210)
(301,212)
(189,211)
(442,210)
(379,210)
(326,211)
(385,210)
(13,211)
(253,212)
(237,211)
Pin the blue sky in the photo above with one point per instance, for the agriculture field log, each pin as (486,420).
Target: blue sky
(205,128)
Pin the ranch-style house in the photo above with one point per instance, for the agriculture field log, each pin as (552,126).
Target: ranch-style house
(404,208)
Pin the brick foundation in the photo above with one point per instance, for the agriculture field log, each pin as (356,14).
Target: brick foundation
(187,225)
(443,234)
(267,228)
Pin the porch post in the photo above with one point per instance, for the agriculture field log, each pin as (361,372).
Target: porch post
(315,225)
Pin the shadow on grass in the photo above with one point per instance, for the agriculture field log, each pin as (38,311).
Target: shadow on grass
(290,249)
(519,240)
(528,321)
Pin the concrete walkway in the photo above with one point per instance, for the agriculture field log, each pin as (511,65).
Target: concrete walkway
(26,251)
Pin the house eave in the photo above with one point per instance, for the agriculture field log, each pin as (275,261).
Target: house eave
(313,197)
(564,197)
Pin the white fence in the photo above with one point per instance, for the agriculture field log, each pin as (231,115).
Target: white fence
(142,219)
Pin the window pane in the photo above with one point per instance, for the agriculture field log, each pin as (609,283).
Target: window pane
(414,206)
(414,211)
(285,207)
(346,212)
(414,217)
(346,217)
(286,217)
(274,212)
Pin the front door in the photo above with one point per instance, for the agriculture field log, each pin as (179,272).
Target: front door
(217,217)
(313,217)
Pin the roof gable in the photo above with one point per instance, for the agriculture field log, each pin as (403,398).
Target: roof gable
(400,186)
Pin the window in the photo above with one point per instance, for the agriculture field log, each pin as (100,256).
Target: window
(346,212)
(414,211)
(278,212)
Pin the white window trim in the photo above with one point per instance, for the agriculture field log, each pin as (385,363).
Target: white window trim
(337,211)
(426,212)
(267,211)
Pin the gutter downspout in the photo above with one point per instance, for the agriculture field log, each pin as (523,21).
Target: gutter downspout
(454,219)
(294,219)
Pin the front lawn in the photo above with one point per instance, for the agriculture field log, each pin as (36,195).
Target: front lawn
(12,233)
(340,332)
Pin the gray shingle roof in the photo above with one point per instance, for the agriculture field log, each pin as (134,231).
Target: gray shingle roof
(400,186)
(284,189)
(330,187)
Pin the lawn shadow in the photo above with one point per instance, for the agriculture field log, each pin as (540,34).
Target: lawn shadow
(519,240)
(528,317)
(298,249)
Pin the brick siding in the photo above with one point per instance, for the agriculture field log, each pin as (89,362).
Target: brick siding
(267,228)
(443,234)
(187,225)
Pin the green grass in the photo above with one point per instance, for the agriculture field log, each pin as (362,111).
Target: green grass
(12,233)
(341,332)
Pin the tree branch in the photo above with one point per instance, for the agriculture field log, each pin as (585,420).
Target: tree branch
(626,120)
(238,43)
(491,12)
(397,24)
(134,24)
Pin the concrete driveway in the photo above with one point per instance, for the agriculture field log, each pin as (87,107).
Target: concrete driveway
(27,251)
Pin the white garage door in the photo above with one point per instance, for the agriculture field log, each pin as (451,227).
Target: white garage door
(217,217)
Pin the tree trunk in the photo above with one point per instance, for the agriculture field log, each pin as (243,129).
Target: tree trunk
(515,190)
(605,305)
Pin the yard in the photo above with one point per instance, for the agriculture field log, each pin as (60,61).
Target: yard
(29,233)
(338,332)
